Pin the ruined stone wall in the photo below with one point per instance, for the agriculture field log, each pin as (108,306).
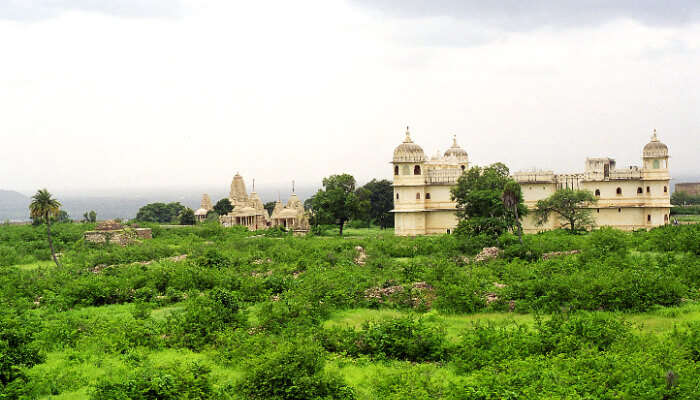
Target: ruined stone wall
(120,237)
(692,189)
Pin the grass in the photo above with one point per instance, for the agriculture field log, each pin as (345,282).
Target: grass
(687,218)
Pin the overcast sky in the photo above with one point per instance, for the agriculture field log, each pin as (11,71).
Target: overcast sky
(128,94)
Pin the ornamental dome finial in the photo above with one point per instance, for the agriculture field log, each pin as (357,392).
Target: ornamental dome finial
(655,148)
(408,151)
(408,136)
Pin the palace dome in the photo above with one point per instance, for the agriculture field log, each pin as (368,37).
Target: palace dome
(408,151)
(456,151)
(655,148)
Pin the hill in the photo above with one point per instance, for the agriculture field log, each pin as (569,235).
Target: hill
(13,205)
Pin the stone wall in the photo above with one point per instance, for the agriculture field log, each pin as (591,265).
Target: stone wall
(692,189)
(121,237)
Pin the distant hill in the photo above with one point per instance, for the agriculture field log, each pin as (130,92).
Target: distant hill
(13,205)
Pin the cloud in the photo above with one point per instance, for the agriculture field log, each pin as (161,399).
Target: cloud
(519,15)
(23,10)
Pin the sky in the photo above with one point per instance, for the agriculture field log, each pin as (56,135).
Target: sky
(133,95)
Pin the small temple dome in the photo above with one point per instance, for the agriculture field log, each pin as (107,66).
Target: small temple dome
(655,148)
(456,151)
(408,151)
(201,212)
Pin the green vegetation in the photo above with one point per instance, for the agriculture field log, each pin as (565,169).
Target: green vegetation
(43,209)
(569,204)
(489,202)
(337,202)
(160,212)
(250,316)
(224,206)
(684,199)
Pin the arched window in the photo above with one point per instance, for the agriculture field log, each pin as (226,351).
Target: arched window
(656,164)
(597,192)
(448,231)
(463,167)
(427,196)
(597,210)
(665,218)
(396,170)
(618,191)
(649,218)
(397,196)
(639,190)
(648,189)
(665,189)
(619,210)
(416,170)
(417,196)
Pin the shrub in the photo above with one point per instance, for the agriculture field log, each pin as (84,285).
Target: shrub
(405,338)
(174,382)
(294,371)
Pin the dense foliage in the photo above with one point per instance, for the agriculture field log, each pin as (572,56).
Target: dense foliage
(160,212)
(247,316)
(336,202)
(481,208)
(572,206)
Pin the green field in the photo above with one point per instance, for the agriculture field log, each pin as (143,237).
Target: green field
(366,316)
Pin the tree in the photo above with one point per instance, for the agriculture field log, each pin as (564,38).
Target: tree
(381,201)
(160,212)
(269,206)
(364,205)
(512,196)
(480,202)
(44,206)
(571,205)
(337,200)
(187,217)
(223,207)
(684,199)
(90,216)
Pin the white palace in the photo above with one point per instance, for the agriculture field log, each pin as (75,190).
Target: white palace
(628,198)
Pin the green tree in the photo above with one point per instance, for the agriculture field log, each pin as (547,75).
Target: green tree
(480,203)
(381,201)
(187,217)
(571,205)
(512,197)
(92,216)
(44,206)
(364,205)
(269,206)
(160,212)
(337,200)
(223,206)
(684,199)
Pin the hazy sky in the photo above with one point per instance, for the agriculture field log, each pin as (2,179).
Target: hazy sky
(126,94)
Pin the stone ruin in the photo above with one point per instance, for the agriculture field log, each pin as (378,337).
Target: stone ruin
(113,232)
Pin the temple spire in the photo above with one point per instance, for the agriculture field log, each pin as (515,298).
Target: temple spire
(408,136)
(292,185)
(454,141)
(654,138)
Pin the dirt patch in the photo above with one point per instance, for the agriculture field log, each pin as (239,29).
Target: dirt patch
(547,256)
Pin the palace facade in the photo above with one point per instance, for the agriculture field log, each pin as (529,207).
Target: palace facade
(628,198)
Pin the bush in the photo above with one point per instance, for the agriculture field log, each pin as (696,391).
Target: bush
(294,371)
(174,382)
(405,338)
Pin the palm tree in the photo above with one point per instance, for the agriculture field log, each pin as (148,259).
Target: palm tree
(511,197)
(43,206)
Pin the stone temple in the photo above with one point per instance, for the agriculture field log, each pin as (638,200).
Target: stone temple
(628,198)
(249,210)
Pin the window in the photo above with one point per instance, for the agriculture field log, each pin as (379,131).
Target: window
(618,191)
(639,190)
(656,164)
(665,218)
(396,170)
(427,196)
(648,189)
(417,196)
(649,218)
(448,231)
(597,210)
(463,168)
(416,170)
(619,210)
(597,192)
(665,189)
(397,196)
